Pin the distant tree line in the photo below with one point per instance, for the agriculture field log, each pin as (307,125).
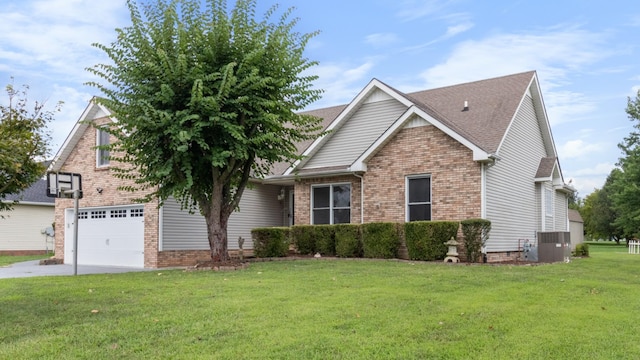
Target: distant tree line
(613,211)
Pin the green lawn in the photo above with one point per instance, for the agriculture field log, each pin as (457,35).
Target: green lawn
(10,259)
(320,309)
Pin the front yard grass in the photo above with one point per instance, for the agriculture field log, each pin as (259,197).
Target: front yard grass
(332,309)
(12,259)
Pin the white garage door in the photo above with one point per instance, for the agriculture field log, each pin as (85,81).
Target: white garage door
(107,236)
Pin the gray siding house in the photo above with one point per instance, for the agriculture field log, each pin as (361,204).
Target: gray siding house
(482,149)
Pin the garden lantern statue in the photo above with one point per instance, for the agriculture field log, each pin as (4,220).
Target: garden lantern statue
(452,254)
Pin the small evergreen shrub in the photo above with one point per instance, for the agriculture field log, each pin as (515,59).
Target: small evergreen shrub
(348,240)
(325,239)
(270,242)
(380,240)
(582,249)
(304,239)
(425,239)
(475,233)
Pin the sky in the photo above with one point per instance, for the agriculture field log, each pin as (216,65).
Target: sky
(586,54)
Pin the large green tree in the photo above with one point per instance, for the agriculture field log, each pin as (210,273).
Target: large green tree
(24,142)
(206,98)
(626,187)
(599,213)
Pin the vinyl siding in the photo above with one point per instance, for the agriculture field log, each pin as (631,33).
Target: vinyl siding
(21,228)
(259,207)
(511,194)
(357,134)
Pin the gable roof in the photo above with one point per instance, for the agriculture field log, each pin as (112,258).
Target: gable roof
(91,112)
(477,114)
(574,215)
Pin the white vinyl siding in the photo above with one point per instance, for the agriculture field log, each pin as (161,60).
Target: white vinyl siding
(259,207)
(21,227)
(511,189)
(357,134)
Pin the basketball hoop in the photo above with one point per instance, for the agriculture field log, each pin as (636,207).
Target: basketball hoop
(63,185)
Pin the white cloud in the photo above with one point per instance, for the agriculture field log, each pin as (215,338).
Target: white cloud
(586,185)
(578,148)
(416,9)
(380,40)
(55,36)
(567,106)
(341,82)
(598,169)
(454,30)
(552,53)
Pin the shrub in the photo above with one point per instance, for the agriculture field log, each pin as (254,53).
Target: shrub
(270,242)
(475,233)
(380,240)
(325,239)
(304,239)
(348,240)
(425,239)
(582,249)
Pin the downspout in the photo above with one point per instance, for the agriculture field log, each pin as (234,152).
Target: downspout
(361,197)
(483,191)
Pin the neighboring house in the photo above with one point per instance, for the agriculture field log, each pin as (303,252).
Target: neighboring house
(477,150)
(23,229)
(576,227)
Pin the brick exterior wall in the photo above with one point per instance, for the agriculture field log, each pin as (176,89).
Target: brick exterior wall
(82,160)
(455,182)
(455,179)
(302,194)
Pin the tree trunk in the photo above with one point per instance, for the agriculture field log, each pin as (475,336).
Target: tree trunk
(217,220)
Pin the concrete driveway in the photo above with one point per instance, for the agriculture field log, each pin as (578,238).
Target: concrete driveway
(32,268)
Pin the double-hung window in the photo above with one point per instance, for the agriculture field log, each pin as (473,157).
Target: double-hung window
(331,204)
(418,197)
(102,155)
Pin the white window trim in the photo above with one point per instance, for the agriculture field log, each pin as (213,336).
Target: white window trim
(548,202)
(104,163)
(406,195)
(331,208)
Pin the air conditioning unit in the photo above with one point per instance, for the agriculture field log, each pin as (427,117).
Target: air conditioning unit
(554,246)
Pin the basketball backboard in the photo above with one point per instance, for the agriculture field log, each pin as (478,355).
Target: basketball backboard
(62,185)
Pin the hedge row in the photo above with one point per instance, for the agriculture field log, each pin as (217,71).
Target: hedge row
(424,239)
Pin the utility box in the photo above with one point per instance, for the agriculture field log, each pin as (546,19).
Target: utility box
(554,246)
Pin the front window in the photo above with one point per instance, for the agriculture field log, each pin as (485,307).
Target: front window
(331,204)
(418,198)
(102,155)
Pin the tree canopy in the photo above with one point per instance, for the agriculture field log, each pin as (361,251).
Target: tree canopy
(24,142)
(626,185)
(206,98)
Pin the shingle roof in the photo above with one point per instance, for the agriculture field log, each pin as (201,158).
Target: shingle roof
(545,168)
(36,193)
(574,215)
(492,103)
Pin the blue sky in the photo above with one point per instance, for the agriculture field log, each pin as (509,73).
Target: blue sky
(585,52)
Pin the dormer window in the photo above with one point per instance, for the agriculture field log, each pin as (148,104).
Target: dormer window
(102,155)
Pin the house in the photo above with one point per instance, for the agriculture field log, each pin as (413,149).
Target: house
(576,227)
(27,229)
(482,149)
